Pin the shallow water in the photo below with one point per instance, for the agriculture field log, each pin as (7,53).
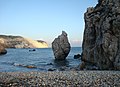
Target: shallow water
(42,59)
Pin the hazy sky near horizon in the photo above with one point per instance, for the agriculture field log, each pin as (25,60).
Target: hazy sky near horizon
(44,19)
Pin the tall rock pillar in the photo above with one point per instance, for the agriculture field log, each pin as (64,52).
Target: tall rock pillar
(61,46)
(101,42)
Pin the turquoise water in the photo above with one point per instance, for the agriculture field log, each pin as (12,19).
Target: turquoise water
(42,59)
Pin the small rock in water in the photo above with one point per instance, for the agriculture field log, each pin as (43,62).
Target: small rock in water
(22,65)
(32,50)
(51,69)
(77,56)
(49,64)
(2,50)
(31,66)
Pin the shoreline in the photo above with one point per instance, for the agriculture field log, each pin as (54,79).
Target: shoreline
(60,79)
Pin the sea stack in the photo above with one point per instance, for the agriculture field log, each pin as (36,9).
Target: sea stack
(61,46)
(101,42)
(2,50)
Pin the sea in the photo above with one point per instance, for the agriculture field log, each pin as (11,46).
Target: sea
(41,59)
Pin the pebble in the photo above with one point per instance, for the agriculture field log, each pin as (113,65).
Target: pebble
(60,79)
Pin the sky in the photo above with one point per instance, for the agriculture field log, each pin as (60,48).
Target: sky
(44,19)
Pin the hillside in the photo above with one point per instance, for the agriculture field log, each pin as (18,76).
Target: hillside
(21,42)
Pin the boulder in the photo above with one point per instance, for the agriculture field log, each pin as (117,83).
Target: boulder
(2,50)
(101,41)
(61,46)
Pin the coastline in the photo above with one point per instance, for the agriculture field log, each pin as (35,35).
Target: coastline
(61,79)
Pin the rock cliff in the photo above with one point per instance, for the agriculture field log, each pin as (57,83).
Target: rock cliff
(101,42)
(20,42)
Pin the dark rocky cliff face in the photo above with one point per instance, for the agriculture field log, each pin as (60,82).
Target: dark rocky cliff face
(101,42)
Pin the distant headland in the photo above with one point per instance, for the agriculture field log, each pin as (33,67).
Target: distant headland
(9,41)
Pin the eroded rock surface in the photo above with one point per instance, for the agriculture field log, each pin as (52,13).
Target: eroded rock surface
(101,43)
(61,46)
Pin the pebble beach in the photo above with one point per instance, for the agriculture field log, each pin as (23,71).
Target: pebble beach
(60,79)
